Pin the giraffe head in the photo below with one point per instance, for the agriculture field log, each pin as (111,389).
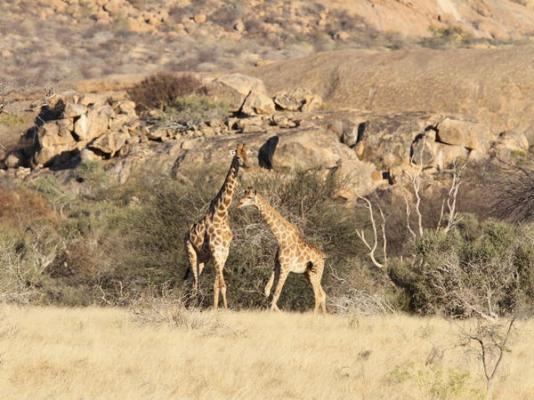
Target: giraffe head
(249,198)
(240,156)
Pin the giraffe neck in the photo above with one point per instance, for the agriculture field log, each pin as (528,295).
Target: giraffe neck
(279,226)
(221,203)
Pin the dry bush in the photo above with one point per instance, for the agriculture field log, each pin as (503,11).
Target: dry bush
(160,91)
(491,341)
(513,193)
(25,259)
(21,206)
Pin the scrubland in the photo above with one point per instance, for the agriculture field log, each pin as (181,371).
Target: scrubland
(166,352)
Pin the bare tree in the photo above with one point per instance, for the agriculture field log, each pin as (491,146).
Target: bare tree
(450,201)
(491,340)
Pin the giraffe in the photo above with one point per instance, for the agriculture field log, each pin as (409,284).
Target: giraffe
(294,254)
(211,236)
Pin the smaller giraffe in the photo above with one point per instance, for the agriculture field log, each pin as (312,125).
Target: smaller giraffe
(294,253)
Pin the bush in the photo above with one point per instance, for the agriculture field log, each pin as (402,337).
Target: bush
(480,269)
(160,91)
(513,193)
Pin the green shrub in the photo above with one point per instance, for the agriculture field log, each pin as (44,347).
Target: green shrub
(481,270)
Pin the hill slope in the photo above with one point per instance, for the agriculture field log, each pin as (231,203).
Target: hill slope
(493,85)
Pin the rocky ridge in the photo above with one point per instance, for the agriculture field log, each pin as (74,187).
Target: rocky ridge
(286,131)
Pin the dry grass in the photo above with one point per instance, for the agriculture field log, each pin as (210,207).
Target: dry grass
(92,353)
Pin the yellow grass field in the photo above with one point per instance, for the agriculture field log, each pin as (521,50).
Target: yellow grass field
(95,353)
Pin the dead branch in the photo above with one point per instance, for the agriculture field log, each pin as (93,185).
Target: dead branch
(408,214)
(451,200)
(361,234)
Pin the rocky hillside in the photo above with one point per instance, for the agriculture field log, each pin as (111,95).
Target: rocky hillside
(495,86)
(73,39)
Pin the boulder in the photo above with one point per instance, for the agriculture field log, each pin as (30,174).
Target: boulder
(356,178)
(257,103)
(73,110)
(307,150)
(474,136)
(98,122)
(297,100)
(110,143)
(252,124)
(234,88)
(126,107)
(119,121)
(66,127)
(239,26)
(13,160)
(283,121)
(200,18)
(51,143)
(445,155)
(514,141)
(88,155)
(114,7)
(93,99)
(81,128)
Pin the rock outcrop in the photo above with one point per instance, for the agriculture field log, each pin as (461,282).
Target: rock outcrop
(72,122)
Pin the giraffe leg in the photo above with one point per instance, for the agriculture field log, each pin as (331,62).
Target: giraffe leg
(323,302)
(216,292)
(314,276)
(192,256)
(316,296)
(278,290)
(274,276)
(269,286)
(219,258)
(319,295)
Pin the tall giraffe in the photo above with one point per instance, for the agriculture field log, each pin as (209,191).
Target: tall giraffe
(211,236)
(294,253)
